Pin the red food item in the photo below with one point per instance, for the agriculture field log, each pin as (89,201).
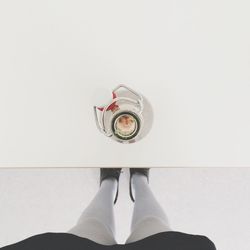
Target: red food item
(112,106)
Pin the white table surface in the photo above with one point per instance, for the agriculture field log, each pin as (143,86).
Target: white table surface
(190,59)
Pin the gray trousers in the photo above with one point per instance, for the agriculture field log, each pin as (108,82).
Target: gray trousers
(97,220)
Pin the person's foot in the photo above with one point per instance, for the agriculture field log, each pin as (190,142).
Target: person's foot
(106,173)
(142,171)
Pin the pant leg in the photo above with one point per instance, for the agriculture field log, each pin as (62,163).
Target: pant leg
(148,226)
(97,220)
(148,216)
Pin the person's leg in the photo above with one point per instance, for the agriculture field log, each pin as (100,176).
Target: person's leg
(148,216)
(97,220)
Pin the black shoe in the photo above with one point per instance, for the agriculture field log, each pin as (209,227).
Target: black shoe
(106,173)
(144,171)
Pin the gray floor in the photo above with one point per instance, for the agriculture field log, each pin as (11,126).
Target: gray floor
(210,201)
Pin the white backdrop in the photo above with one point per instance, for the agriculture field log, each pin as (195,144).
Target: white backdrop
(211,201)
(189,58)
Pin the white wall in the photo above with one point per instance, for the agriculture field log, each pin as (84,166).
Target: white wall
(214,202)
(190,58)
